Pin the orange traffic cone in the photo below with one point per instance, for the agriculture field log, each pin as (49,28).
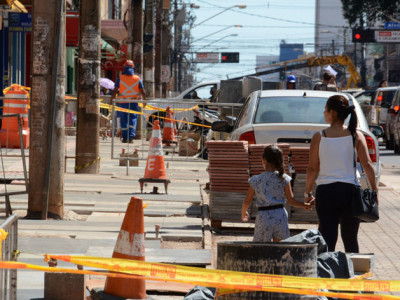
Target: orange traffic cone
(16,101)
(130,245)
(155,167)
(169,136)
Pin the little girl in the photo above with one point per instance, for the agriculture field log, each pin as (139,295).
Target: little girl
(270,188)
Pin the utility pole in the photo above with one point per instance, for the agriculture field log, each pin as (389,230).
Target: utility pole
(137,49)
(46,163)
(165,46)
(148,57)
(158,42)
(137,36)
(87,141)
(177,37)
(363,69)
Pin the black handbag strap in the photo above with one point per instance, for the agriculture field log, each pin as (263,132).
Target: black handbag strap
(354,161)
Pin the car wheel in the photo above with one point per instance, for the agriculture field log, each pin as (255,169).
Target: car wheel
(396,147)
(155,116)
(390,143)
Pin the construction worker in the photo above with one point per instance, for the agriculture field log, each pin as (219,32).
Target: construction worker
(326,84)
(291,82)
(128,86)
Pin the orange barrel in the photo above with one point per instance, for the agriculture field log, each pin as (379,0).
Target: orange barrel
(16,101)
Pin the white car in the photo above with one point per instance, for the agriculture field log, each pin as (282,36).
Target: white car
(187,99)
(291,116)
(199,91)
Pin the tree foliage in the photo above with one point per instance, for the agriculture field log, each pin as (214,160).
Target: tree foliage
(362,12)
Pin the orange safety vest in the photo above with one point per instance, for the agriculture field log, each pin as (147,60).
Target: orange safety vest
(129,86)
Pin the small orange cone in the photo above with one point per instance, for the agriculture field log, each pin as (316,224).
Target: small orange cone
(169,135)
(155,167)
(129,245)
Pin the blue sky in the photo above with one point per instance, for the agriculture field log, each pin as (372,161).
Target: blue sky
(264,24)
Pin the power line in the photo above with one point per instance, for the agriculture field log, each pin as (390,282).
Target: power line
(272,18)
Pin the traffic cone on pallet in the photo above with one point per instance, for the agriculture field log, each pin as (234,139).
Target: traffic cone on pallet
(130,245)
(155,167)
(169,136)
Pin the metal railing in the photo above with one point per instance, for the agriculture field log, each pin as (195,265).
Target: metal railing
(184,116)
(8,277)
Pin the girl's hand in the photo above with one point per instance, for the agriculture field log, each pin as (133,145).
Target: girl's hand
(309,200)
(307,206)
(245,216)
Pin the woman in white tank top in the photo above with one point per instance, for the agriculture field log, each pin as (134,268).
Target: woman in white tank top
(331,166)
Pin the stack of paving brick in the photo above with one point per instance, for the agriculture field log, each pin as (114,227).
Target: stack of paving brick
(299,159)
(228,166)
(255,157)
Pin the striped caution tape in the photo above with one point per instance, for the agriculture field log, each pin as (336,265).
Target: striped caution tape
(3,236)
(162,272)
(108,106)
(20,86)
(148,106)
(235,280)
(89,164)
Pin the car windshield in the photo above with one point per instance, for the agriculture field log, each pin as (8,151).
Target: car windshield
(290,110)
(364,98)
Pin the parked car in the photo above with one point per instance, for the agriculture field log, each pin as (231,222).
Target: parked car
(363,97)
(198,93)
(291,116)
(380,103)
(392,125)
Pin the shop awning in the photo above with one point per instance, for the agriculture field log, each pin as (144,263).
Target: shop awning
(114,29)
(15,5)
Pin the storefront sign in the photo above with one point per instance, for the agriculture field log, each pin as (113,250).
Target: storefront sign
(19,22)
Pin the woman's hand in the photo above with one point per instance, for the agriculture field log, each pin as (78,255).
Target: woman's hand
(307,206)
(245,216)
(309,199)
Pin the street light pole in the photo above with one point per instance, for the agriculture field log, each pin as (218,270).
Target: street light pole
(241,6)
(197,50)
(225,28)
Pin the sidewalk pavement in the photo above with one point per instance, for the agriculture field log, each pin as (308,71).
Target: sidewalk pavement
(95,207)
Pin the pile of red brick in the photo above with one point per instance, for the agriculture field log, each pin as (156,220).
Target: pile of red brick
(228,166)
(299,159)
(231,163)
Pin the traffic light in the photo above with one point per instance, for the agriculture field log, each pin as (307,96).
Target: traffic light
(363,36)
(282,75)
(230,57)
(147,42)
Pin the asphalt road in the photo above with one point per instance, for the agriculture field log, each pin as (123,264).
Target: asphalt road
(389,158)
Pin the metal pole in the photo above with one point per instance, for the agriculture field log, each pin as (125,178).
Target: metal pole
(148,57)
(87,141)
(176,47)
(137,53)
(165,46)
(157,70)
(46,164)
(363,69)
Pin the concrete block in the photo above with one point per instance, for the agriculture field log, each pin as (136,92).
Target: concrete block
(363,262)
(64,286)
(123,161)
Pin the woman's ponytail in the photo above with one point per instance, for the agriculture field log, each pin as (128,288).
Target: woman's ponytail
(353,120)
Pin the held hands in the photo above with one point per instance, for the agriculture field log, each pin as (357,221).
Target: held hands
(245,216)
(309,201)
